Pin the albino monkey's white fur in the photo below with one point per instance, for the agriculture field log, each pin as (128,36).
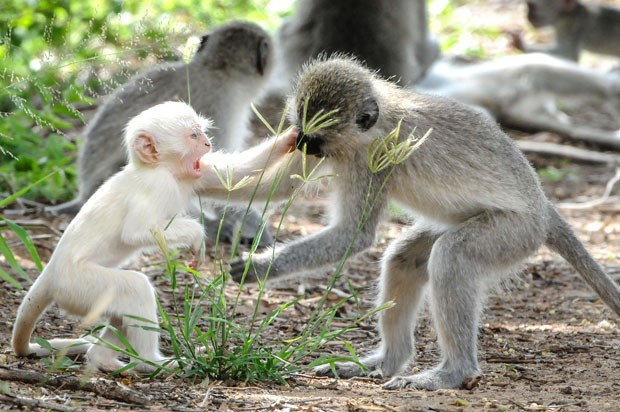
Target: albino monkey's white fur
(165,145)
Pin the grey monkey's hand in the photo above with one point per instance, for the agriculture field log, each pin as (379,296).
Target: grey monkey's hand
(258,268)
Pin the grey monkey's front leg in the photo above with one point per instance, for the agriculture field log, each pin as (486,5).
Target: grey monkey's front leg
(323,248)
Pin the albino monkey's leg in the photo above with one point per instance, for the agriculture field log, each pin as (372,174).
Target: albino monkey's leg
(403,279)
(102,357)
(462,261)
(133,298)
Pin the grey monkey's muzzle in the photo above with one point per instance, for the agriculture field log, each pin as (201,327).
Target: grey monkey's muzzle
(313,144)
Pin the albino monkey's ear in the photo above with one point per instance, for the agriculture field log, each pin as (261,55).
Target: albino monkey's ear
(146,148)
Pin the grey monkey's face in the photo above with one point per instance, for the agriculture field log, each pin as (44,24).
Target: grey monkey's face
(318,144)
(541,13)
(334,85)
(238,47)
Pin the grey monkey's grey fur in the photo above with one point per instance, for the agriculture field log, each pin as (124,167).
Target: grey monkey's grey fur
(479,207)
(389,35)
(578,26)
(226,74)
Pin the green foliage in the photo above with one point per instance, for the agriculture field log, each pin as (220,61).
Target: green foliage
(5,249)
(457,35)
(553,174)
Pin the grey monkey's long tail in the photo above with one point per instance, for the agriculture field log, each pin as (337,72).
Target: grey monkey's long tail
(563,241)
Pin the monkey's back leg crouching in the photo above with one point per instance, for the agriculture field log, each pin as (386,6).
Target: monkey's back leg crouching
(132,311)
(462,262)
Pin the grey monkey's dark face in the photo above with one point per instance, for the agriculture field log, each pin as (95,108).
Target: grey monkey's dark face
(319,144)
(316,144)
(540,15)
(339,85)
(313,144)
(238,46)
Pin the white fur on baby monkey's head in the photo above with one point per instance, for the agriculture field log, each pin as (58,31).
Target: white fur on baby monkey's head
(164,119)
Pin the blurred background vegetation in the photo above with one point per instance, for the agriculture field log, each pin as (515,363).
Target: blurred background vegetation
(58,56)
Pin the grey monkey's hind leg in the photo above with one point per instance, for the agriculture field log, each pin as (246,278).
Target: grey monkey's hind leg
(462,262)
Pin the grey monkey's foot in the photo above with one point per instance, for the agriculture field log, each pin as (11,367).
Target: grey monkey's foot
(237,225)
(237,268)
(352,369)
(432,379)
(343,370)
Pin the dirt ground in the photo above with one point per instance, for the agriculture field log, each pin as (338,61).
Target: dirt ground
(547,342)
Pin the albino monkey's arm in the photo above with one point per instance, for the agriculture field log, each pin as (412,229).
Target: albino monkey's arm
(269,157)
(179,231)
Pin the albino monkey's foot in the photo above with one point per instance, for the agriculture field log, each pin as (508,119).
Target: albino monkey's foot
(107,361)
(167,363)
(104,363)
(433,379)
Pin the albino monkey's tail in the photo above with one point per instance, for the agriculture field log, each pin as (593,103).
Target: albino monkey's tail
(563,241)
(34,304)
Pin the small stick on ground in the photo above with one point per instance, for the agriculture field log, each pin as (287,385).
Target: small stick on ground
(102,387)
(35,404)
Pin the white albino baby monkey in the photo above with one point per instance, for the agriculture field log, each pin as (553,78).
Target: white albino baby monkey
(165,146)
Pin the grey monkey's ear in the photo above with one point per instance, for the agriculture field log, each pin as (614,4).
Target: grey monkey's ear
(367,114)
(203,42)
(262,54)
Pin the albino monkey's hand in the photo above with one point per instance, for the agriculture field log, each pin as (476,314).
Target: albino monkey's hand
(258,268)
(286,143)
(199,256)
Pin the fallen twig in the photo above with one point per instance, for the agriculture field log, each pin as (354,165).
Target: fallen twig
(595,202)
(575,153)
(103,387)
(35,403)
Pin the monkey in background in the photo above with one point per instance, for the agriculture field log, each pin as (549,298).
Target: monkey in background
(166,146)
(479,207)
(388,35)
(227,73)
(578,26)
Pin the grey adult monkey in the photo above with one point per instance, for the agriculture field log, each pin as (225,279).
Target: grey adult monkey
(578,26)
(479,207)
(388,35)
(227,73)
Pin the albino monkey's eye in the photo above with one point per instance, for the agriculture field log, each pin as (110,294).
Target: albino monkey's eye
(196,133)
